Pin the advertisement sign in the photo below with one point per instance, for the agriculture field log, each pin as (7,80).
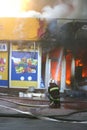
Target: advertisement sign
(24,66)
(3,47)
(3,69)
(21,28)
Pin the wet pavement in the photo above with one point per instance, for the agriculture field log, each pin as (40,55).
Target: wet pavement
(40,106)
(34,113)
(71,107)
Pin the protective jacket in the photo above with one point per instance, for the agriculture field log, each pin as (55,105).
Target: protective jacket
(53,91)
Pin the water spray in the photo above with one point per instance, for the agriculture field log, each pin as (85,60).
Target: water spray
(58,65)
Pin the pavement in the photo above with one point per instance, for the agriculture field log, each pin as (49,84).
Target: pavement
(34,112)
(40,105)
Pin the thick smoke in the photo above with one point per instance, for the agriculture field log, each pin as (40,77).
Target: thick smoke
(62,9)
(50,9)
(59,11)
(66,9)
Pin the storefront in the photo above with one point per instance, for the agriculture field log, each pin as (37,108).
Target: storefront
(20,53)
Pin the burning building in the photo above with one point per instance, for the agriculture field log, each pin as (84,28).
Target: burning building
(39,43)
(69,64)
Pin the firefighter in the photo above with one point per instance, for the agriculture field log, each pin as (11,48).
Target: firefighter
(54,97)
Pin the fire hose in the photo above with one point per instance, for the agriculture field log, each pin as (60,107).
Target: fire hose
(31,115)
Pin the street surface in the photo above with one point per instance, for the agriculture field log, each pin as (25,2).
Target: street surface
(14,116)
(36,124)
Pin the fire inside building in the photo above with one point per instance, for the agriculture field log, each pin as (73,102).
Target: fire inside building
(67,60)
(33,51)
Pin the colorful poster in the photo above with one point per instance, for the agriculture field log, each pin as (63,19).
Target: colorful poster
(3,69)
(24,66)
(2,64)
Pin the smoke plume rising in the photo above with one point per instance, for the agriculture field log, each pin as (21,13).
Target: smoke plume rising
(58,9)
(47,9)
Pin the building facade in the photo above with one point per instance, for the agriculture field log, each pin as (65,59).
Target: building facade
(20,52)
